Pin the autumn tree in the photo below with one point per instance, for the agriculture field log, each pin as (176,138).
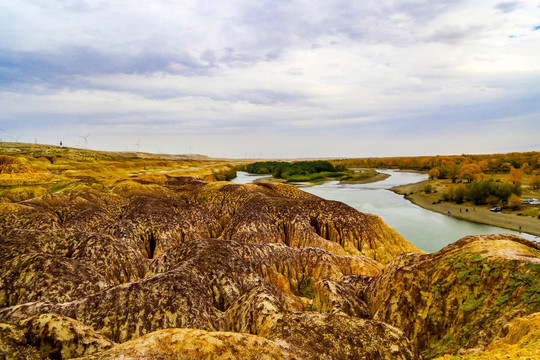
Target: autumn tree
(514,201)
(434,173)
(484,165)
(506,166)
(534,182)
(470,172)
(515,175)
(451,169)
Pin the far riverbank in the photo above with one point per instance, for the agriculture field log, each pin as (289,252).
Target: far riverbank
(468,211)
(270,179)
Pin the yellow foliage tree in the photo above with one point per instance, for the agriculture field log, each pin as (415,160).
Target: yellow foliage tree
(484,165)
(515,175)
(470,172)
(534,182)
(514,201)
(434,173)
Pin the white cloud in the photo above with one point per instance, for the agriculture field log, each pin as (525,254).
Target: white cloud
(270,67)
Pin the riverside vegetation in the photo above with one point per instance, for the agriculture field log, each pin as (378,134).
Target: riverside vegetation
(167,266)
(309,171)
(467,186)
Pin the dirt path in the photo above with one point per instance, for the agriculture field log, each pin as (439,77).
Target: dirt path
(469,211)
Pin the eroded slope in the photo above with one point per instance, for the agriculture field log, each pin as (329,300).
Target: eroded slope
(220,270)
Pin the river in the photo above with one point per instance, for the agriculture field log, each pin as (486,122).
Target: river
(427,230)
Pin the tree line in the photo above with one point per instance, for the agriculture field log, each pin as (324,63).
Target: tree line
(527,161)
(298,170)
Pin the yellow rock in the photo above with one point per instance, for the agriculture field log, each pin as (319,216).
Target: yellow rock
(184,344)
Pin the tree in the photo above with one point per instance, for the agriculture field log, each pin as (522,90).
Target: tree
(451,169)
(484,165)
(506,166)
(456,193)
(514,201)
(470,172)
(434,174)
(534,182)
(515,175)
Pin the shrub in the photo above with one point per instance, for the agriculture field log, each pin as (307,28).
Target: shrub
(479,191)
(514,201)
(492,200)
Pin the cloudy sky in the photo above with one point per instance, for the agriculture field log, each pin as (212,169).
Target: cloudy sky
(272,78)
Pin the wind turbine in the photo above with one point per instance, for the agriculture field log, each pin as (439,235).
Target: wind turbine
(138,144)
(1,142)
(15,138)
(85,139)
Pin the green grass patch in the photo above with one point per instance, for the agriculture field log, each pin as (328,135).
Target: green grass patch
(471,303)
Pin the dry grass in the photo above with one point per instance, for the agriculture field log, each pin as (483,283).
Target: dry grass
(28,170)
(522,342)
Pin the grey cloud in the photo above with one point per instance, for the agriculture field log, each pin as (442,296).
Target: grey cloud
(452,35)
(508,6)
(252,32)
(266,97)
(21,67)
(421,10)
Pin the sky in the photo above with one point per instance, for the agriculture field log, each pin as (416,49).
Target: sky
(272,79)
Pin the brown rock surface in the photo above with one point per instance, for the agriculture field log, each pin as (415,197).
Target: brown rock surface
(186,209)
(63,265)
(13,345)
(187,344)
(237,268)
(59,337)
(271,212)
(461,297)
(216,284)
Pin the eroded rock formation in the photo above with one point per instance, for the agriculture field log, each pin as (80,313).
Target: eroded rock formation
(461,297)
(191,269)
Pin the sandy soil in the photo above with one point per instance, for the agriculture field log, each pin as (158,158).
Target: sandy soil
(469,211)
(269,179)
(378,177)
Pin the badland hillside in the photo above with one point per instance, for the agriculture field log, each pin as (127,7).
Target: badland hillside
(152,258)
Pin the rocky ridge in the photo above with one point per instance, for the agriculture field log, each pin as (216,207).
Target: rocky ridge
(219,270)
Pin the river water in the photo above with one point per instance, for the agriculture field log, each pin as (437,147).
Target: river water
(427,230)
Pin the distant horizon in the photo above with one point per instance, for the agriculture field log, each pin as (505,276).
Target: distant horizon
(14,144)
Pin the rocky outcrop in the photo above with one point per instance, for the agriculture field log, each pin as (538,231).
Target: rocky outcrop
(59,337)
(63,265)
(50,336)
(15,165)
(280,213)
(189,269)
(217,284)
(155,218)
(461,297)
(186,344)
(13,344)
